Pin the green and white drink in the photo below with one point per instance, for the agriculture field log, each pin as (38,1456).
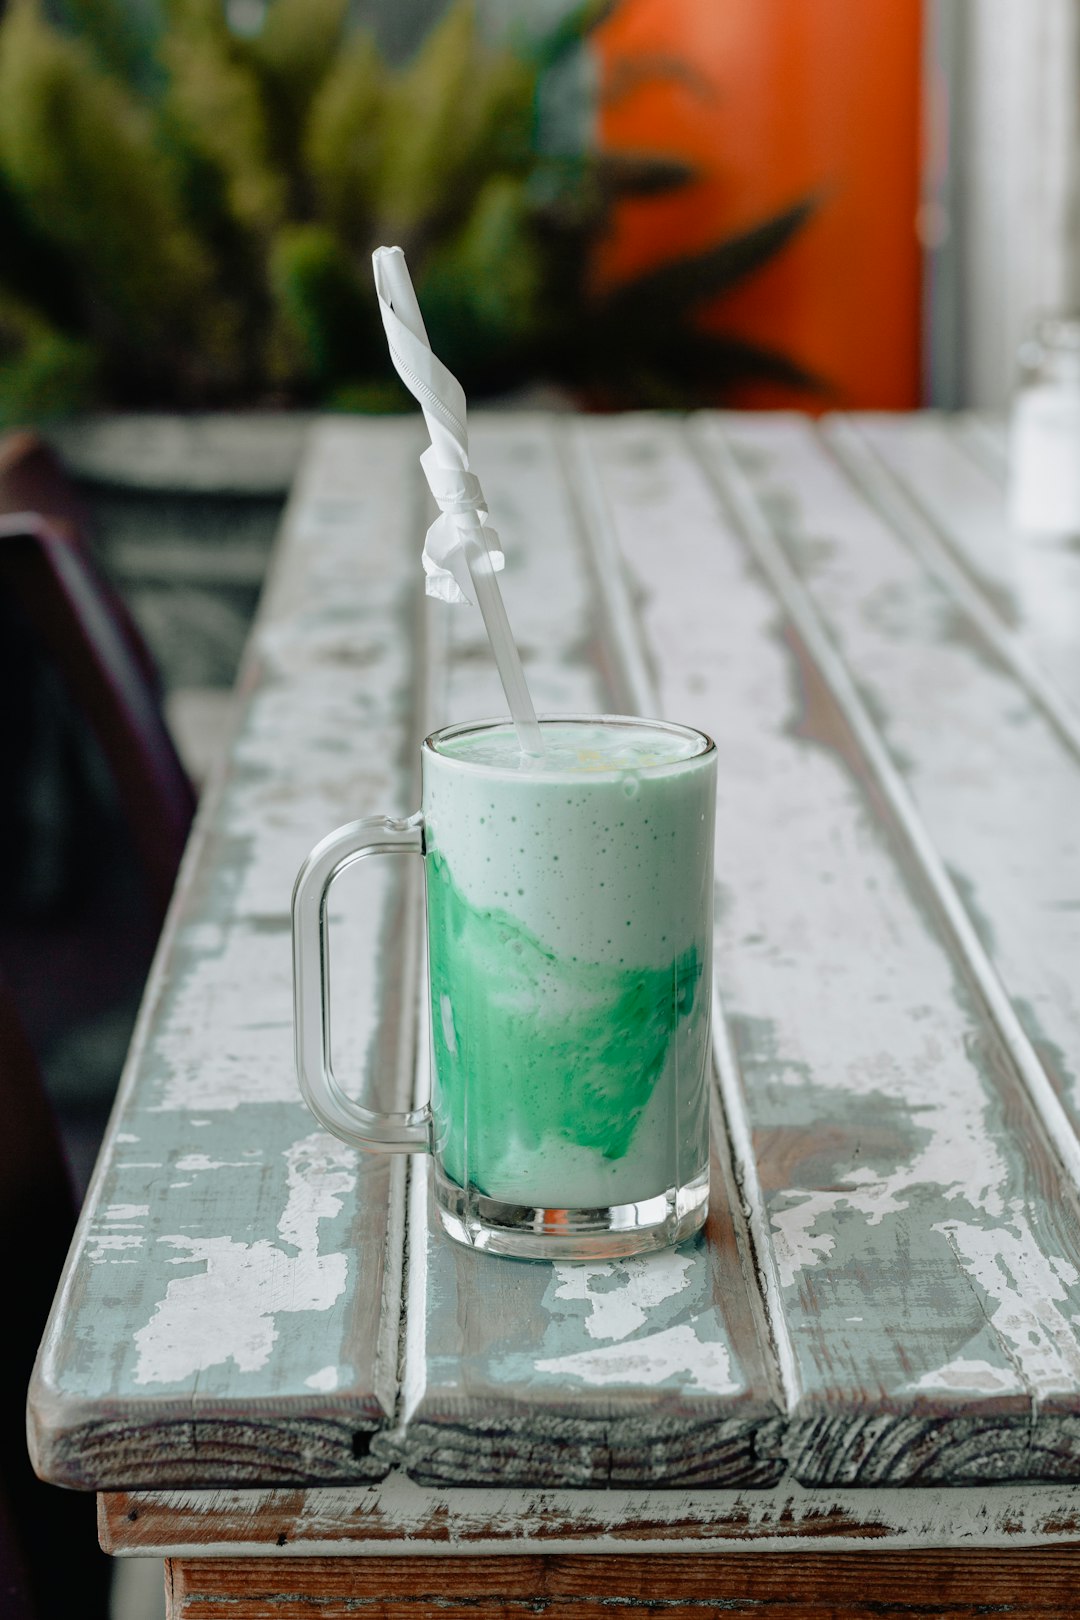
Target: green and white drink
(569,909)
(569,931)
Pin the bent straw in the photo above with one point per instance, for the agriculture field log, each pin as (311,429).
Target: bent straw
(443,403)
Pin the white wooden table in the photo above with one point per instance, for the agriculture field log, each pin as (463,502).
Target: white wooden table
(863,1383)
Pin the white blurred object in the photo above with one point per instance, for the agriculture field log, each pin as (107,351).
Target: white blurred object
(1044,432)
(1001,198)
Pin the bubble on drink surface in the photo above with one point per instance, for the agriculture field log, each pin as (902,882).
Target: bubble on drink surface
(576,748)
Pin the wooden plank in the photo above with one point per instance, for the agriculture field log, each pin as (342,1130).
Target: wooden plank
(813,1586)
(229,1311)
(953,512)
(995,785)
(922,1242)
(397,1515)
(634,1371)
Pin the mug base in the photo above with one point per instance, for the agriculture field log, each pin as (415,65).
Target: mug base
(525,1233)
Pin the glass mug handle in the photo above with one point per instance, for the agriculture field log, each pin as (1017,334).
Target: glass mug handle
(359,1126)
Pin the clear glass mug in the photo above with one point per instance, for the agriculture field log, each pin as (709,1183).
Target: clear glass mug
(569,925)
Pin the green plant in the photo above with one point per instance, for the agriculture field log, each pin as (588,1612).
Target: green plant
(186,217)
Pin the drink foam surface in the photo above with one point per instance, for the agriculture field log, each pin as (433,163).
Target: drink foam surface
(575,748)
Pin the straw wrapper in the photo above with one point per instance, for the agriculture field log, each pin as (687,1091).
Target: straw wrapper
(462,553)
(458,494)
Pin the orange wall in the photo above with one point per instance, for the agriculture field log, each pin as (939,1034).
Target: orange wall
(797,97)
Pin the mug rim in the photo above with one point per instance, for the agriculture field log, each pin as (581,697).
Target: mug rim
(461,728)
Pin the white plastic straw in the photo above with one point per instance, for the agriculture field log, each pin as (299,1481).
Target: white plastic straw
(440,397)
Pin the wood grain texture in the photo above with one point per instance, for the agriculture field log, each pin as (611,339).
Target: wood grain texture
(809,1586)
(222,1316)
(396,1515)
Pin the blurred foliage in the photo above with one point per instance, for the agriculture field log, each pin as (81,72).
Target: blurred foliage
(187,215)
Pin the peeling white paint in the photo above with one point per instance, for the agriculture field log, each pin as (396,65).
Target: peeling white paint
(213,1056)
(101,1244)
(124,1212)
(795,1245)
(959,1158)
(650,1360)
(620,1293)
(226,1311)
(324,1380)
(973,1377)
(1038,1339)
(203,1161)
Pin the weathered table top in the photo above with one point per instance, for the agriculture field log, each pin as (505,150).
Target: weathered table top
(888,1291)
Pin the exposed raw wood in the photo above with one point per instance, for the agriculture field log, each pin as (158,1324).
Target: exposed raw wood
(811,1586)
